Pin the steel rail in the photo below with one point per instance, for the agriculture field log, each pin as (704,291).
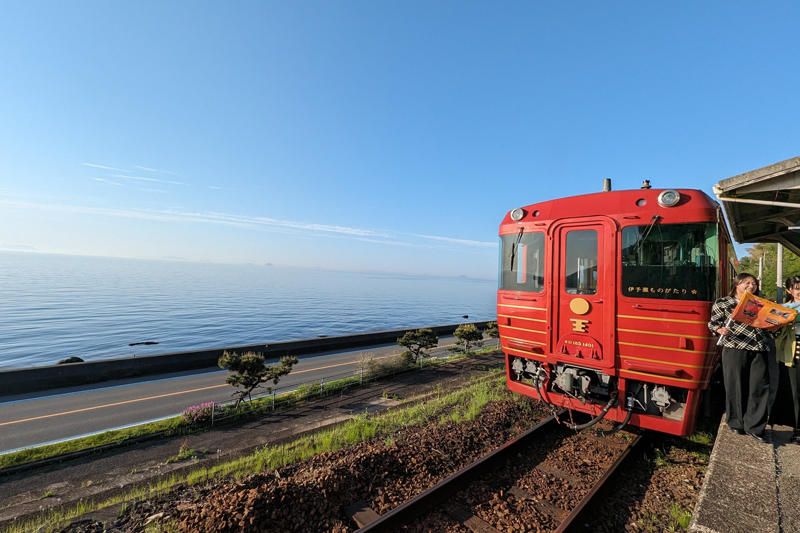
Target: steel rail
(576,511)
(443,490)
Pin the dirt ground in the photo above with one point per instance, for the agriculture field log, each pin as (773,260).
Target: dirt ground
(310,496)
(655,494)
(104,475)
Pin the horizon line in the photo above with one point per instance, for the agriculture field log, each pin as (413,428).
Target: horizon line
(5,248)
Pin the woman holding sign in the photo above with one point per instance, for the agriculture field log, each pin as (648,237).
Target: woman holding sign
(786,410)
(744,362)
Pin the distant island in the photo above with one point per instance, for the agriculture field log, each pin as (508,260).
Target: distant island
(18,247)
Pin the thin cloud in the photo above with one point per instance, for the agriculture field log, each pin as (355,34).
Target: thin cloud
(132,177)
(457,241)
(212,187)
(17,193)
(208,218)
(152,190)
(146,179)
(299,229)
(265,221)
(394,243)
(460,249)
(108,181)
(104,167)
(156,170)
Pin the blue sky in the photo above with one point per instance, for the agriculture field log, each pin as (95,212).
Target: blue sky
(369,136)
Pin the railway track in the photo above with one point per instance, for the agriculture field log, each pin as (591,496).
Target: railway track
(540,481)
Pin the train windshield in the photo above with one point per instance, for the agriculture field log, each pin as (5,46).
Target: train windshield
(522,262)
(670,261)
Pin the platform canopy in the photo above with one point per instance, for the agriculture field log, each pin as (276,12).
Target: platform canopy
(763,205)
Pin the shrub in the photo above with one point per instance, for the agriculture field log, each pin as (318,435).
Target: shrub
(390,365)
(200,414)
(183,453)
(366,363)
(416,344)
(468,335)
(306,390)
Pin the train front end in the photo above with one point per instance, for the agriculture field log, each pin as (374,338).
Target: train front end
(603,303)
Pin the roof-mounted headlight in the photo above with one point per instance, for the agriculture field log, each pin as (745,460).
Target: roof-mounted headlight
(517,214)
(669,198)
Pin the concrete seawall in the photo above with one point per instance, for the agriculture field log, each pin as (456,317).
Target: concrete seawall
(57,376)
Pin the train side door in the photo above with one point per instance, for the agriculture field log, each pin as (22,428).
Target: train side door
(584,292)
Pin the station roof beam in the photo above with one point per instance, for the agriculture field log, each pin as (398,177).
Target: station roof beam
(763,205)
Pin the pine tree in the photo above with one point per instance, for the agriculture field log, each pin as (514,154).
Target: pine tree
(468,335)
(416,343)
(249,372)
(769,251)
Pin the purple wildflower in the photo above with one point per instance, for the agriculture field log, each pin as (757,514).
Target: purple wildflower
(199,414)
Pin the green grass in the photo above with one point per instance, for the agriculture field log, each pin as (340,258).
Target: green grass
(700,445)
(164,525)
(679,517)
(390,396)
(660,460)
(704,456)
(701,437)
(487,349)
(171,426)
(177,426)
(468,402)
(183,453)
(48,494)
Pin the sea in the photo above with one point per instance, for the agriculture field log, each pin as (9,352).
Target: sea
(57,306)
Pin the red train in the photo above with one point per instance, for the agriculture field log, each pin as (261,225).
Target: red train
(603,303)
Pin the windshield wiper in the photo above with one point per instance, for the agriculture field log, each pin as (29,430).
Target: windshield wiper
(643,236)
(514,248)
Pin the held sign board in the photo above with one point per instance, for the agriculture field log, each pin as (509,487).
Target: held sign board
(761,313)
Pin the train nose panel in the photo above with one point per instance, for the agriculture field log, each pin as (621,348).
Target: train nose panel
(580,347)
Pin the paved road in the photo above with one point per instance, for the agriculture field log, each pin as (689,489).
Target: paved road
(47,416)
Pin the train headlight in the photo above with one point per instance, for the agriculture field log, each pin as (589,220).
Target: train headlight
(517,214)
(669,198)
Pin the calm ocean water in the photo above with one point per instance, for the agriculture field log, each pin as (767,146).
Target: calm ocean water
(56,306)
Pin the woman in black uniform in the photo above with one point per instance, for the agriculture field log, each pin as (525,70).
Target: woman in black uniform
(786,410)
(744,363)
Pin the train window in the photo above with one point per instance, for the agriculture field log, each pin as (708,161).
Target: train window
(522,262)
(581,262)
(670,261)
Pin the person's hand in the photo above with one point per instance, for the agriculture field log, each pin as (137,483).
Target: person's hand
(723,331)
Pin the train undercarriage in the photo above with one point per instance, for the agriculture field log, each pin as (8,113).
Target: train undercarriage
(589,390)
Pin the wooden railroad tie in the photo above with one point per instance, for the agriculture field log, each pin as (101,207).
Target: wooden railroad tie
(468,519)
(543,506)
(611,443)
(553,471)
(361,513)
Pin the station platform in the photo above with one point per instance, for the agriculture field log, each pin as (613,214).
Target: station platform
(750,486)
